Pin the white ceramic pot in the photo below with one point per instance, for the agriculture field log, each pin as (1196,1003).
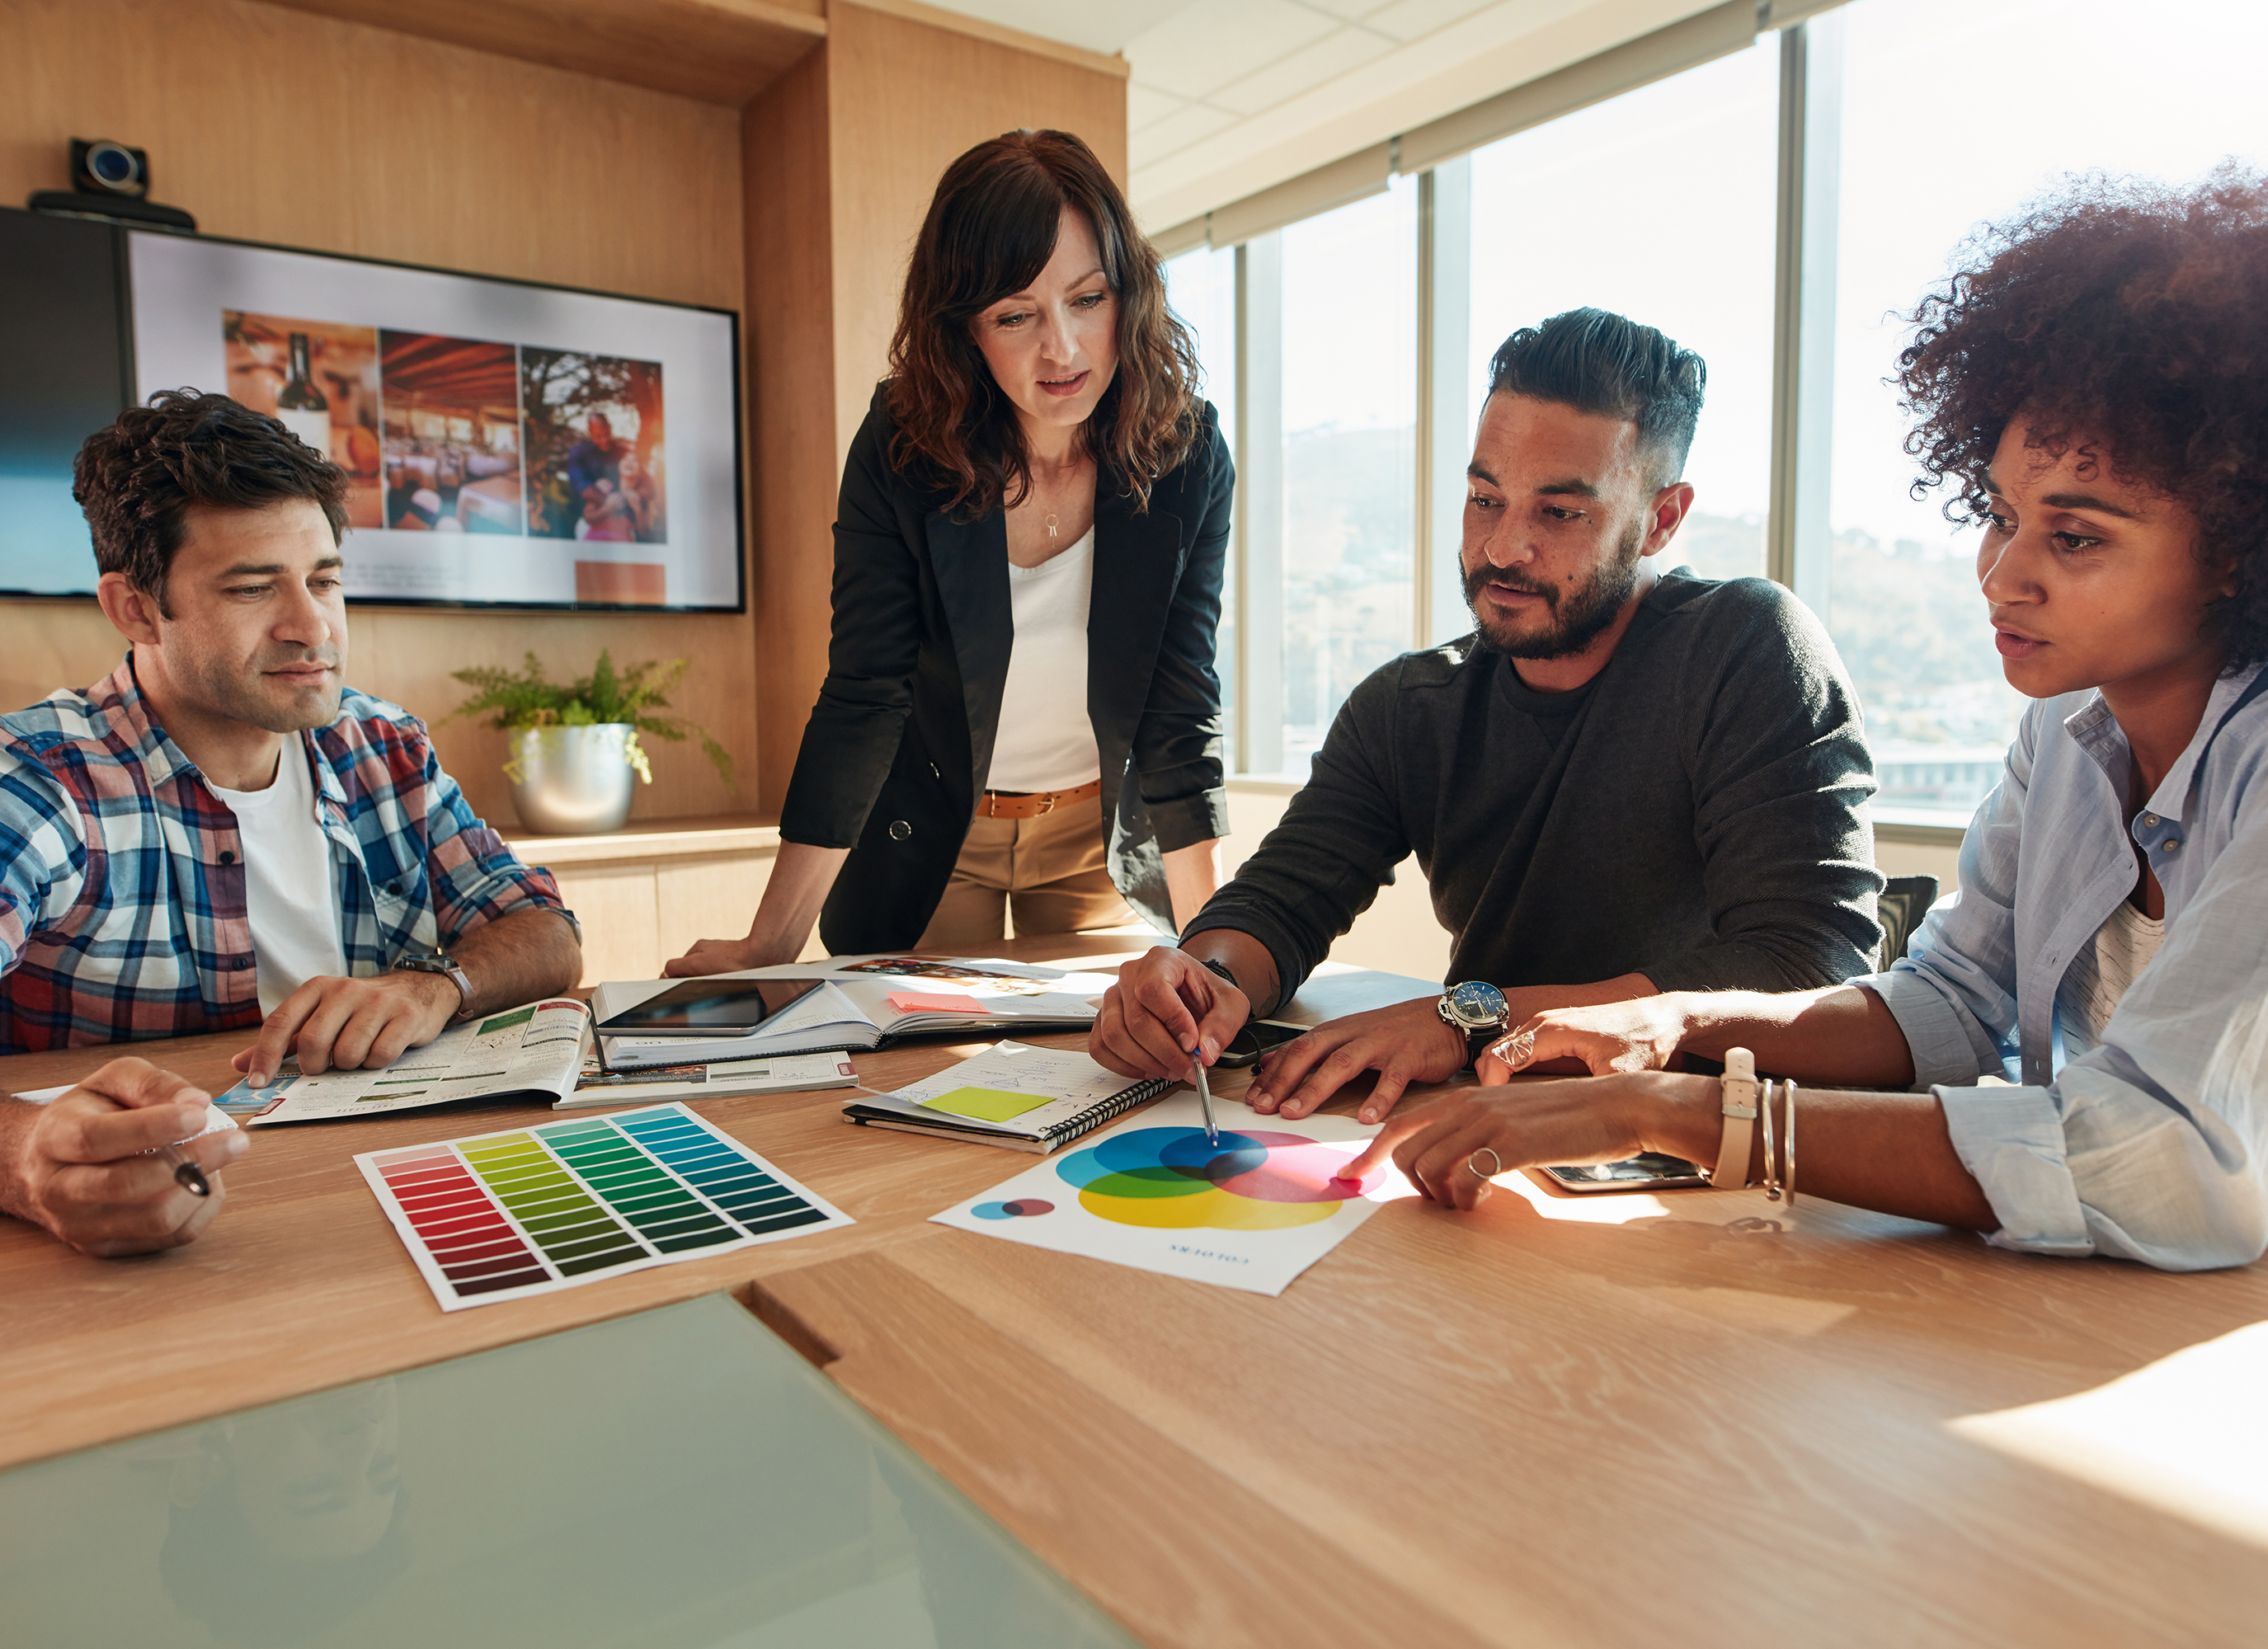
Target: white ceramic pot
(572,781)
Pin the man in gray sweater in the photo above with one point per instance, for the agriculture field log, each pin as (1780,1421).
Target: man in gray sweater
(1623,782)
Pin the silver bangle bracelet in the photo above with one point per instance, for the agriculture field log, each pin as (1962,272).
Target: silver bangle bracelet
(1790,1087)
(1764,1113)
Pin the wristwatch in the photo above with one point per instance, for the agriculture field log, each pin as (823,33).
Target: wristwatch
(442,962)
(1475,1011)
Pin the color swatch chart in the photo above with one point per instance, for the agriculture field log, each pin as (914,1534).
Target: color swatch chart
(534,1209)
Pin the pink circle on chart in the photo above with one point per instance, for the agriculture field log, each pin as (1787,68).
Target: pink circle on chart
(1297,1170)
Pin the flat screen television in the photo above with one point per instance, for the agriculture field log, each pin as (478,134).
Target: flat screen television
(507,445)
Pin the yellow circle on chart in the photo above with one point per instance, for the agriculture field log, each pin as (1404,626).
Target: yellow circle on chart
(1223,1211)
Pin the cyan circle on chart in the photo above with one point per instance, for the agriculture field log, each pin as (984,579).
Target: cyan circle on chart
(1121,1154)
(1190,1153)
(993,1210)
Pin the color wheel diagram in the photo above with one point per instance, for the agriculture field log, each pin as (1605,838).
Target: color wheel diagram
(1172,1178)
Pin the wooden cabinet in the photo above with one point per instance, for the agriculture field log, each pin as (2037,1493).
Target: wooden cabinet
(646,894)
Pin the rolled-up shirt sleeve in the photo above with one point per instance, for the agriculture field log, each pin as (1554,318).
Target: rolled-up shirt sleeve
(2100,1163)
(2152,1146)
(473,876)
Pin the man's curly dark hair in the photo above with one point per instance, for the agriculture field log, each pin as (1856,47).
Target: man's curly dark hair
(2126,315)
(137,479)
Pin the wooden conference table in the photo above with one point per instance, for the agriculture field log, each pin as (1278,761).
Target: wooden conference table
(1612,1420)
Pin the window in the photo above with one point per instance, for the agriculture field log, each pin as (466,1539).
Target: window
(1925,117)
(1660,205)
(1959,111)
(1350,412)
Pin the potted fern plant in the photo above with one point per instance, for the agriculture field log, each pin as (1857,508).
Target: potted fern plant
(574,745)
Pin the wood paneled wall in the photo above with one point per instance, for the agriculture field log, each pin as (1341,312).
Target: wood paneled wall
(840,159)
(276,125)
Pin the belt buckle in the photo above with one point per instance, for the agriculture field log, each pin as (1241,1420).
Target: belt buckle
(1047,805)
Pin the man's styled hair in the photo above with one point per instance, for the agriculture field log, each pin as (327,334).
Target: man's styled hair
(1608,363)
(2125,313)
(137,479)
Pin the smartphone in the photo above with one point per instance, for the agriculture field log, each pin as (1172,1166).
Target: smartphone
(708,1007)
(1255,1039)
(1649,1170)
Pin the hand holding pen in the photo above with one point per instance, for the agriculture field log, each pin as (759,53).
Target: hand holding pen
(108,1166)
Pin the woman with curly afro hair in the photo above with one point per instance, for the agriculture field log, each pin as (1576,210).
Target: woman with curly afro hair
(2093,384)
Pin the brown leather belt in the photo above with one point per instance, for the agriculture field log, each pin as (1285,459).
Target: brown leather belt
(1031,804)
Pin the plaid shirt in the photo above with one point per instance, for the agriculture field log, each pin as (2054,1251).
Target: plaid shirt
(122,878)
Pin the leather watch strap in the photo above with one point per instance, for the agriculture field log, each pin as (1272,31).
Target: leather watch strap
(1739,1107)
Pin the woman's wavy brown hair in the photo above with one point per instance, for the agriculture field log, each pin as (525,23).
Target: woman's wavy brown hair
(2122,314)
(990,231)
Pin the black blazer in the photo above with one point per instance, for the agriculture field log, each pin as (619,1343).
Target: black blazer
(898,745)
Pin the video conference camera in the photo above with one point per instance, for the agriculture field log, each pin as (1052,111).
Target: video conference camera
(110,180)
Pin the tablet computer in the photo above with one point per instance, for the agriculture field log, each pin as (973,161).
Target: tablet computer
(708,1007)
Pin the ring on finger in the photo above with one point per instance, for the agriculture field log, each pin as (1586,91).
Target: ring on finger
(1496,1163)
(1515,1050)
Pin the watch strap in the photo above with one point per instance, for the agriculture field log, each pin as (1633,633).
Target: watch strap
(441,962)
(1214,965)
(1739,1106)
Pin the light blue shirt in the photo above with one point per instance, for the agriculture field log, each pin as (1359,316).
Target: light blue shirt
(2153,1145)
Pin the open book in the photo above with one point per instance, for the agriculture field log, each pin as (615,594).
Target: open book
(535,1052)
(1013,1094)
(857,1003)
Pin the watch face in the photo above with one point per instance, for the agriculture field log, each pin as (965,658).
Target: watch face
(1478,1004)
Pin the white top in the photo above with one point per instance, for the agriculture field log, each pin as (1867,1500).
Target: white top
(289,888)
(1045,740)
(2102,975)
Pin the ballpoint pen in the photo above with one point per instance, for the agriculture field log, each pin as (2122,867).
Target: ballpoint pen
(186,1174)
(1205,1099)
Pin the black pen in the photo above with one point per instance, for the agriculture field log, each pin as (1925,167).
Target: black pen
(186,1174)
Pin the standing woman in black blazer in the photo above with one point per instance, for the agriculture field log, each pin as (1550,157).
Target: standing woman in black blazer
(1020,707)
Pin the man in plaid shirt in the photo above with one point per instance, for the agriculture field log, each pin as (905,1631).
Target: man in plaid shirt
(221,835)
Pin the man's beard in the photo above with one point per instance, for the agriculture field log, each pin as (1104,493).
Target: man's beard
(1580,617)
(227,691)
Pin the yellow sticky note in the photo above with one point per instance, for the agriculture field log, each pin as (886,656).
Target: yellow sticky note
(986,1104)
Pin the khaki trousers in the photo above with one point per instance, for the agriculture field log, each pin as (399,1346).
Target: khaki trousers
(1048,873)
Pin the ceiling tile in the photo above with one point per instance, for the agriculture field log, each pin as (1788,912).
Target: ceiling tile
(1414,19)
(1194,124)
(1303,70)
(1100,26)
(1209,45)
(1146,106)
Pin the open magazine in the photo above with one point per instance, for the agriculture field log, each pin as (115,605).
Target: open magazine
(536,1052)
(849,1002)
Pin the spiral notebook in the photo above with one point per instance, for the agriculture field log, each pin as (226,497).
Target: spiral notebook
(1013,1094)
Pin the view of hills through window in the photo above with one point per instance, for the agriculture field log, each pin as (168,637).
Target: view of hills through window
(2044,89)
(1661,204)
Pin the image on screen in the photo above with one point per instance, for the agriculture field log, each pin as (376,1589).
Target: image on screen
(507,445)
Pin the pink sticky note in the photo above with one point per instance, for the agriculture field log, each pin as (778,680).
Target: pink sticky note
(907,1002)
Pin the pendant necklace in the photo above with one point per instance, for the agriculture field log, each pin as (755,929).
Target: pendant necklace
(1051,526)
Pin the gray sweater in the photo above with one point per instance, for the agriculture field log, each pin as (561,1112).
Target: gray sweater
(1693,813)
